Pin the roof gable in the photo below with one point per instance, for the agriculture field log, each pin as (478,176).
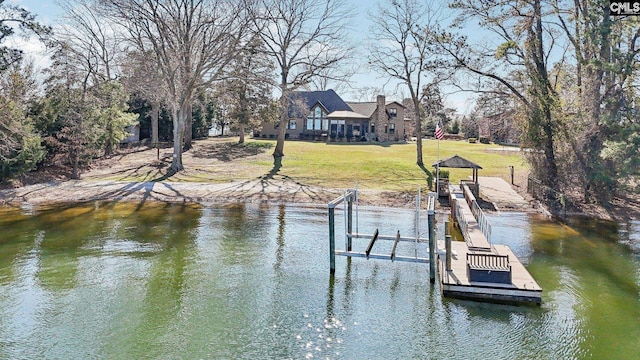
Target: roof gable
(303,101)
(364,108)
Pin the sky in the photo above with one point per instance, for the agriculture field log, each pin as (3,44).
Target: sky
(49,12)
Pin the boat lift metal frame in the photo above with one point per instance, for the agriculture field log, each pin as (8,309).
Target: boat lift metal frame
(349,197)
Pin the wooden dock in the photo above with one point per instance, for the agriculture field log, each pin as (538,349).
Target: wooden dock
(474,269)
(477,270)
(455,283)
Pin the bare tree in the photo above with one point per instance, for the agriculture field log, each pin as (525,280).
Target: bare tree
(304,38)
(402,36)
(337,79)
(92,39)
(518,66)
(191,41)
(96,52)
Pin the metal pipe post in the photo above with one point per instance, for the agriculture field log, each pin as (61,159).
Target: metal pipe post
(332,241)
(349,220)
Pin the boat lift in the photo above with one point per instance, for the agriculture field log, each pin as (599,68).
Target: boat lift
(348,199)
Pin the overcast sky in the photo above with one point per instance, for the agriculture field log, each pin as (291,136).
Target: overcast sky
(49,12)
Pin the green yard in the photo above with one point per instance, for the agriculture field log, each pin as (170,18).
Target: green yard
(390,167)
(372,166)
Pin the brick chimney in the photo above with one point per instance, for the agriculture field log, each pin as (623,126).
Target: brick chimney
(381,118)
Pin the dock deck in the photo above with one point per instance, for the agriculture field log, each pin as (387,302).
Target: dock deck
(481,270)
(455,283)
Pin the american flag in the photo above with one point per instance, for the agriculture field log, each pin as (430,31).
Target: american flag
(439,132)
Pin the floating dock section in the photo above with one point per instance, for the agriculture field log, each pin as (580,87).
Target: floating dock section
(477,270)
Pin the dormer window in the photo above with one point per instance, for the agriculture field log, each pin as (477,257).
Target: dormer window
(393,112)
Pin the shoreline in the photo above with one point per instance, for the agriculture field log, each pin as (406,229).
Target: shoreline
(263,191)
(270,191)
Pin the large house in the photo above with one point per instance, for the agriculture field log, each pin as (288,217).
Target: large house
(323,115)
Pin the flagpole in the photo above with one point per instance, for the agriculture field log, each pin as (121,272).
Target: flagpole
(438,135)
(438,170)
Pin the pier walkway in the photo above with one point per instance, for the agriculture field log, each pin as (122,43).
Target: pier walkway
(476,269)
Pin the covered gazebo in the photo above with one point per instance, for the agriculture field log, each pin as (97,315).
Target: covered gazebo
(458,162)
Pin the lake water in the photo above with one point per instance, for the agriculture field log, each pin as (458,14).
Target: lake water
(128,281)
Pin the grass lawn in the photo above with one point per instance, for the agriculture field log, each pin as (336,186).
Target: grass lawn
(391,167)
(372,166)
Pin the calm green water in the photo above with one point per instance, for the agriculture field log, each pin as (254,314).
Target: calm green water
(118,281)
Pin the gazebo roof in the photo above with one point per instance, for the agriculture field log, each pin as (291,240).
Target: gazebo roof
(457,162)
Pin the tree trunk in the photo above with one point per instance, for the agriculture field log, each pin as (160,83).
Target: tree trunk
(178,134)
(549,153)
(278,152)
(241,130)
(416,106)
(155,111)
(75,173)
(188,126)
(108,146)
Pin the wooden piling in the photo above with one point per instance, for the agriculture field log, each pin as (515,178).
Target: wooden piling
(431,218)
(447,246)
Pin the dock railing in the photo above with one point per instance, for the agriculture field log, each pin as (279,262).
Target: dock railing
(463,223)
(478,214)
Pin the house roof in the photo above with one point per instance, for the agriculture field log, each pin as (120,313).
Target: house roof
(365,108)
(303,101)
(368,108)
(346,115)
(457,162)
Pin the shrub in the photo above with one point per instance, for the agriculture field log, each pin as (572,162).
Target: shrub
(472,140)
(484,140)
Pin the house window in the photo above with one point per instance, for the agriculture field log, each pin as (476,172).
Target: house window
(373,128)
(315,120)
(393,112)
(392,128)
(292,125)
(386,128)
